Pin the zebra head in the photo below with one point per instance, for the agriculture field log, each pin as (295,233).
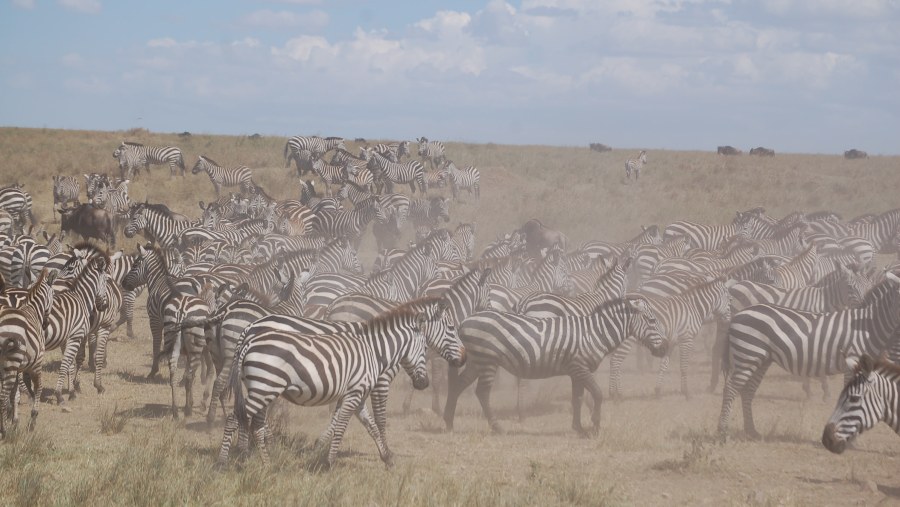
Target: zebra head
(139,273)
(643,325)
(436,325)
(861,404)
(120,150)
(200,166)
(100,266)
(136,223)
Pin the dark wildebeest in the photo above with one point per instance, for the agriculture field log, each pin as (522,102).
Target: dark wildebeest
(762,152)
(537,237)
(600,147)
(854,153)
(728,150)
(89,222)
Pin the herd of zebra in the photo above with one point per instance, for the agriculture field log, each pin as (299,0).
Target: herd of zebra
(267,298)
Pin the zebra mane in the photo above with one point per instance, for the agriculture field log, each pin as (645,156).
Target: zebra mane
(876,292)
(620,302)
(882,364)
(333,138)
(211,161)
(158,207)
(131,143)
(409,308)
(92,250)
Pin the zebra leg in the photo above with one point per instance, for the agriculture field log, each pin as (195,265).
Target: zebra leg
(192,366)
(734,383)
(686,346)
(523,386)
(823,381)
(747,395)
(456,383)
(100,358)
(260,428)
(348,405)
(156,332)
(366,419)
(718,347)
(35,392)
(231,426)
(483,392)
(661,374)
(807,387)
(438,383)
(577,397)
(173,366)
(615,368)
(223,372)
(10,382)
(66,370)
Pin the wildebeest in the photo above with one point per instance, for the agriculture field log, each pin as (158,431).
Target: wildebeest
(89,222)
(762,152)
(538,236)
(600,147)
(728,150)
(854,153)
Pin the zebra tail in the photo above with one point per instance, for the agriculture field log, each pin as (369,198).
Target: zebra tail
(726,357)
(234,384)
(287,161)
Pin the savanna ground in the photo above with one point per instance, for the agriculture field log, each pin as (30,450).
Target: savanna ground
(123,447)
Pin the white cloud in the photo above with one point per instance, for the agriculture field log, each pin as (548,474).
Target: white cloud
(166,42)
(72,60)
(88,6)
(301,48)
(25,4)
(445,21)
(312,20)
(249,42)
(838,8)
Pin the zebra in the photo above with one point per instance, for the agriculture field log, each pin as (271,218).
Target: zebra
(330,174)
(157,223)
(66,189)
(426,214)
(543,348)
(871,395)
(881,231)
(191,340)
(350,224)
(431,151)
(22,347)
(392,151)
(680,317)
(68,322)
(412,172)
(803,343)
(463,179)
(93,181)
(135,153)
(843,288)
(18,203)
(800,271)
(463,240)
(360,359)
(129,159)
(115,201)
(633,166)
(315,145)
(240,176)
(545,305)
(708,237)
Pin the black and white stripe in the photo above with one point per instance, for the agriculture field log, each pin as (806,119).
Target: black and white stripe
(803,343)
(467,179)
(871,395)
(315,145)
(135,153)
(541,348)
(431,151)
(66,189)
(633,166)
(240,176)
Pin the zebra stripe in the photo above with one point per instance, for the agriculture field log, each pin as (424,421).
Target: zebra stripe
(412,172)
(157,223)
(138,154)
(707,237)
(431,151)
(543,348)
(18,203)
(315,145)
(803,343)
(240,176)
(341,366)
(872,394)
(22,347)
(66,189)
(68,322)
(467,179)
(633,166)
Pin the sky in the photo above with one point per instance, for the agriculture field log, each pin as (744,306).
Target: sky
(808,76)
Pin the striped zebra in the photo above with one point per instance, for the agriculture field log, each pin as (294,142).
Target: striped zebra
(801,271)
(115,201)
(93,181)
(350,224)
(392,151)
(542,348)
(707,237)
(240,176)
(68,323)
(22,348)
(190,340)
(411,172)
(680,318)
(633,166)
(6,222)
(66,189)
(881,231)
(544,305)
(843,288)
(803,343)
(435,179)
(273,361)
(550,275)
(136,154)
(431,151)
(463,179)
(463,240)
(157,223)
(330,174)
(315,145)
(18,203)
(426,214)
(870,395)
(130,160)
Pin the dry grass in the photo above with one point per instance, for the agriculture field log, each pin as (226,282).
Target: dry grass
(122,449)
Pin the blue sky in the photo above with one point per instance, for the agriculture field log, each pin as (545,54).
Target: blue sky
(814,76)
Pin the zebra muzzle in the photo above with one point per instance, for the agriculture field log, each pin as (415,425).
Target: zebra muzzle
(830,440)
(461,360)
(420,382)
